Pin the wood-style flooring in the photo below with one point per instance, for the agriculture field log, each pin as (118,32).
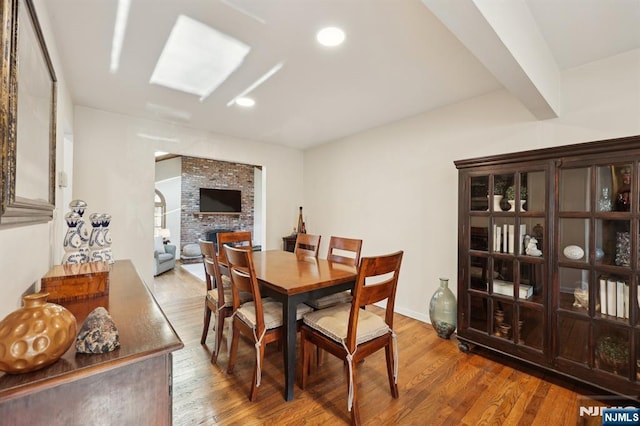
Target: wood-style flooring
(438,384)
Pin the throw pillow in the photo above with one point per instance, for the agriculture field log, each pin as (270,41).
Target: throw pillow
(157,245)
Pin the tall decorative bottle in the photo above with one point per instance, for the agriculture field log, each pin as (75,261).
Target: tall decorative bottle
(443,310)
(301,226)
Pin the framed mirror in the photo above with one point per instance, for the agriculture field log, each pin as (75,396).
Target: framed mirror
(27,119)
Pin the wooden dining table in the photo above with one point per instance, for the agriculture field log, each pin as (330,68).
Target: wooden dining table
(291,280)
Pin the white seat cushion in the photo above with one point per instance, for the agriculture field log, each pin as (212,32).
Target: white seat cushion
(331,300)
(333,322)
(226,281)
(272,313)
(228,297)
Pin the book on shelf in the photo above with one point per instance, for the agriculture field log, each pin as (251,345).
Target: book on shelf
(505,288)
(603,295)
(497,238)
(505,238)
(511,229)
(612,287)
(614,297)
(620,299)
(523,232)
(626,300)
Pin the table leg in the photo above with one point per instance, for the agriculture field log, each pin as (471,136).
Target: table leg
(289,352)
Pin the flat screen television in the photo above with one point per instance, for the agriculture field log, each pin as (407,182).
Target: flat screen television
(220,200)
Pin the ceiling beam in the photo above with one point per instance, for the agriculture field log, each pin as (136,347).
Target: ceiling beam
(504,37)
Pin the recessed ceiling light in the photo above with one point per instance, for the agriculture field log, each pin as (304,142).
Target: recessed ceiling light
(330,36)
(257,83)
(245,102)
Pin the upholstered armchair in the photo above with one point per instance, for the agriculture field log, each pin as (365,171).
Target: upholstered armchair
(164,256)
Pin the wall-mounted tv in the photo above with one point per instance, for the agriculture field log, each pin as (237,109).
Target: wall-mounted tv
(220,200)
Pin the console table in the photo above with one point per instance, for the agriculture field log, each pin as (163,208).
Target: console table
(289,243)
(131,385)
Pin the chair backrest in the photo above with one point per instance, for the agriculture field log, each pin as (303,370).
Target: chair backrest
(307,245)
(234,239)
(377,280)
(243,278)
(212,268)
(339,247)
(208,252)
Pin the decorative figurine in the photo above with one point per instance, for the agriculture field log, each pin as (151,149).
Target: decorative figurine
(106,234)
(96,240)
(79,206)
(72,242)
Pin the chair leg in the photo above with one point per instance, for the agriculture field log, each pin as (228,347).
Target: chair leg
(207,321)
(219,328)
(253,394)
(307,352)
(233,352)
(355,412)
(392,384)
(320,356)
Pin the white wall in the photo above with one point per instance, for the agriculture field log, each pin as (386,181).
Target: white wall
(396,186)
(29,251)
(258,208)
(115,173)
(169,183)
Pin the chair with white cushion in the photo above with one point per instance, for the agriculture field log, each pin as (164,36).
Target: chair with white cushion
(260,319)
(218,298)
(347,252)
(307,245)
(351,333)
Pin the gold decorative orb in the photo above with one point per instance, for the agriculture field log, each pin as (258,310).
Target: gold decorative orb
(36,335)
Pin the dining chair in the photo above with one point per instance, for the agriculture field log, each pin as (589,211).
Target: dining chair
(352,333)
(218,298)
(259,319)
(345,251)
(234,239)
(208,251)
(307,245)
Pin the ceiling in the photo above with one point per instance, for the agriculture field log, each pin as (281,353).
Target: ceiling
(400,58)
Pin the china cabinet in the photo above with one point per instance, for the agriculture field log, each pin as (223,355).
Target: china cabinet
(548,259)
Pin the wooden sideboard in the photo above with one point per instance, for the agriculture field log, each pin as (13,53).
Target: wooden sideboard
(131,385)
(289,243)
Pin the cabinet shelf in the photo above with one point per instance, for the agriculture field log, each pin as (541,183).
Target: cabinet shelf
(561,327)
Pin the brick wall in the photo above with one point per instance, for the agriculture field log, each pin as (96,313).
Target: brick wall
(203,173)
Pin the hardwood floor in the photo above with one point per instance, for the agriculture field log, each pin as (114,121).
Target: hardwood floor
(438,384)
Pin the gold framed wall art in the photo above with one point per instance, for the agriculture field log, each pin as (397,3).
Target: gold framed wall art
(27,118)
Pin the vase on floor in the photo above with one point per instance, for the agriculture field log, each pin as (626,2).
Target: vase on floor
(443,310)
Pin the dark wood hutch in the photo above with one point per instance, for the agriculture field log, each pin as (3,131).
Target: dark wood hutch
(552,276)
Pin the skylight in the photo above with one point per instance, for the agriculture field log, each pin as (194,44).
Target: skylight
(197,58)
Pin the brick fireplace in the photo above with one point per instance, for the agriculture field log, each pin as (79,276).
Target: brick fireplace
(204,173)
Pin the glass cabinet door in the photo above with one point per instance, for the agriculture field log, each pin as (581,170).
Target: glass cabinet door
(505,279)
(596,292)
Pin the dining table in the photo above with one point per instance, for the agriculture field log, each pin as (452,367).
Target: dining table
(292,279)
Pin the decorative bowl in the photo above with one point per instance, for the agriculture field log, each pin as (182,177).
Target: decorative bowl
(573,252)
(613,353)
